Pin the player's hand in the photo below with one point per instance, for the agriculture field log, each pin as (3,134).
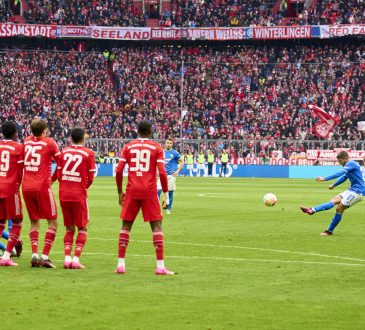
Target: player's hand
(331,187)
(175,174)
(320,179)
(121,198)
(165,200)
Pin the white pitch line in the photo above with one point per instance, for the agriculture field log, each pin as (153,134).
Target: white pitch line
(230,259)
(242,248)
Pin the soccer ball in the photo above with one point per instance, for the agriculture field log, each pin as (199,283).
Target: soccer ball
(270,199)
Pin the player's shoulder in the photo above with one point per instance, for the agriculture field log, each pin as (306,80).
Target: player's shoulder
(352,164)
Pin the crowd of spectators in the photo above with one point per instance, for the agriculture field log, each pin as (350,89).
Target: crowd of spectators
(5,13)
(332,12)
(203,13)
(236,93)
(243,91)
(82,12)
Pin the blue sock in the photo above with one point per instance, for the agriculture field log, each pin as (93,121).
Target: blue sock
(324,206)
(159,194)
(171,198)
(2,246)
(10,225)
(335,221)
(5,235)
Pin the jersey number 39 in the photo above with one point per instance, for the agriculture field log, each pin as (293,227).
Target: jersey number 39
(141,160)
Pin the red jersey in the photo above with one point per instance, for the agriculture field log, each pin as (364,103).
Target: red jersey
(143,157)
(76,168)
(38,155)
(11,167)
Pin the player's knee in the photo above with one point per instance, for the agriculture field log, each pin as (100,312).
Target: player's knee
(340,208)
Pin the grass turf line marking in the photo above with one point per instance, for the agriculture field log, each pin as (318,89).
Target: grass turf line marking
(241,247)
(230,259)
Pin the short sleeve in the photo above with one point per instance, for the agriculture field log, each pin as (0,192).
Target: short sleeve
(54,148)
(20,153)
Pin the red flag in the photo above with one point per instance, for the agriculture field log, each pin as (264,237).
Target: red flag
(325,123)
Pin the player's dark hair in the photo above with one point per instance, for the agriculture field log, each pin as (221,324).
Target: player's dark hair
(145,128)
(342,155)
(169,139)
(77,134)
(8,128)
(37,126)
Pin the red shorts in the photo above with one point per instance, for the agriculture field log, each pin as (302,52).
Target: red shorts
(75,213)
(40,204)
(11,207)
(150,208)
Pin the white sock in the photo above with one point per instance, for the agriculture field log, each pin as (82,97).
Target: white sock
(121,262)
(6,255)
(75,259)
(44,257)
(35,255)
(68,259)
(160,264)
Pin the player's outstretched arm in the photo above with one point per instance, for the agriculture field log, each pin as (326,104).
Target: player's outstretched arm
(320,178)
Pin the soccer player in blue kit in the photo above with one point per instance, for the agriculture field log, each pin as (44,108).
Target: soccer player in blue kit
(174,162)
(352,171)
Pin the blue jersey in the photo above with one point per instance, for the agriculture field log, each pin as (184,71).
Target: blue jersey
(353,172)
(171,161)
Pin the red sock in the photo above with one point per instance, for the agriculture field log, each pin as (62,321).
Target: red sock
(34,238)
(80,242)
(13,236)
(123,243)
(159,245)
(68,241)
(48,241)
(2,228)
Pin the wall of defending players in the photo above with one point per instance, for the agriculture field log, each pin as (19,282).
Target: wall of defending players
(243,171)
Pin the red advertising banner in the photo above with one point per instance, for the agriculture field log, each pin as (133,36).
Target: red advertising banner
(282,32)
(27,30)
(314,154)
(121,33)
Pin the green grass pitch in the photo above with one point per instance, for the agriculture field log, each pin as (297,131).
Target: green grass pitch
(241,265)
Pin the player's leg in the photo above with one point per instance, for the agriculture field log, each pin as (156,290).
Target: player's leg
(13,210)
(172,188)
(123,241)
(152,214)
(158,243)
(171,199)
(129,212)
(81,211)
(347,199)
(322,207)
(48,211)
(31,203)
(13,240)
(68,239)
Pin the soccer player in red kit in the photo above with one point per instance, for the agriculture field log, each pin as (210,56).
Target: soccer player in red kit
(39,150)
(11,172)
(143,158)
(76,169)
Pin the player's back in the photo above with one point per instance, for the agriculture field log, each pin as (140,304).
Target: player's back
(356,176)
(38,155)
(75,163)
(11,153)
(142,156)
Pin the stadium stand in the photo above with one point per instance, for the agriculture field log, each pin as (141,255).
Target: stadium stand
(236,92)
(75,12)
